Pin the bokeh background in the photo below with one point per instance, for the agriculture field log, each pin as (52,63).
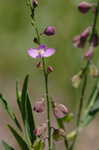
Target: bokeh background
(16,36)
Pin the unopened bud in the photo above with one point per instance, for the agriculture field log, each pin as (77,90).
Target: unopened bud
(35,40)
(58,134)
(79,41)
(89,54)
(50,30)
(39,106)
(40,130)
(34,3)
(76,80)
(60,110)
(50,69)
(84,7)
(39,65)
(94,72)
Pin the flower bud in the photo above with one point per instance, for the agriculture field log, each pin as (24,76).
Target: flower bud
(94,72)
(84,7)
(76,80)
(39,65)
(86,33)
(60,110)
(49,31)
(89,54)
(40,130)
(34,3)
(50,69)
(79,41)
(39,106)
(58,134)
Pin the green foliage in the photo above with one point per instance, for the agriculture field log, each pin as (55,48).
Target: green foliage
(29,120)
(39,145)
(7,146)
(10,111)
(92,108)
(23,145)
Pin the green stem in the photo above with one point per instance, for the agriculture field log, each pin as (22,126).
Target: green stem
(85,77)
(48,103)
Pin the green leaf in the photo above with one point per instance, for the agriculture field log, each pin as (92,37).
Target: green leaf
(92,108)
(39,145)
(18,96)
(24,96)
(68,118)
(23,145)
(9,111)
(29,120)
(7,146)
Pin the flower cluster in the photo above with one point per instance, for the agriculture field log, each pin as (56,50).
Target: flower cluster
(88,39)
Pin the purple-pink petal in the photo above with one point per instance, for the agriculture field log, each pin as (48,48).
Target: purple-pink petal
(33,52)
(49,52)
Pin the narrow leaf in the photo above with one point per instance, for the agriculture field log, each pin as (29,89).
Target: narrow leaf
(24,96)
(29,120)
(39,145)
(7,146)
(18,96)
(92,108)
(23,145)
(9,111)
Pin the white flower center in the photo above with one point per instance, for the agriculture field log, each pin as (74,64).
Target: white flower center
(41,52)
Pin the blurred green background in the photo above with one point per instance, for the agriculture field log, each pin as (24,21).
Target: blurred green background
(16,36)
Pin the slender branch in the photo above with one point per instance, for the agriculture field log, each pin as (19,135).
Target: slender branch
(85,76)
(48,103)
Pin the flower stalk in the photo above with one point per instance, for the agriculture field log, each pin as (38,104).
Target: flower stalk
(85,76)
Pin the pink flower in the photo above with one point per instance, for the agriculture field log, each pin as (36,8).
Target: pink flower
(84,7)
(41,51)
(39,106)
(60,111)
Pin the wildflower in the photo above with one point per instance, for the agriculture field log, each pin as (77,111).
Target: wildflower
(79,41)
(39,106)
(60,110)
(50,69)
(84,7)
(89,54)
(50,30)
(41,51)
(40,130)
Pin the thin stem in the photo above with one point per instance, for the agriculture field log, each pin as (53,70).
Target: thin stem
(45,75)
(82,94)
(48,103)
(66,143)
(85,77)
